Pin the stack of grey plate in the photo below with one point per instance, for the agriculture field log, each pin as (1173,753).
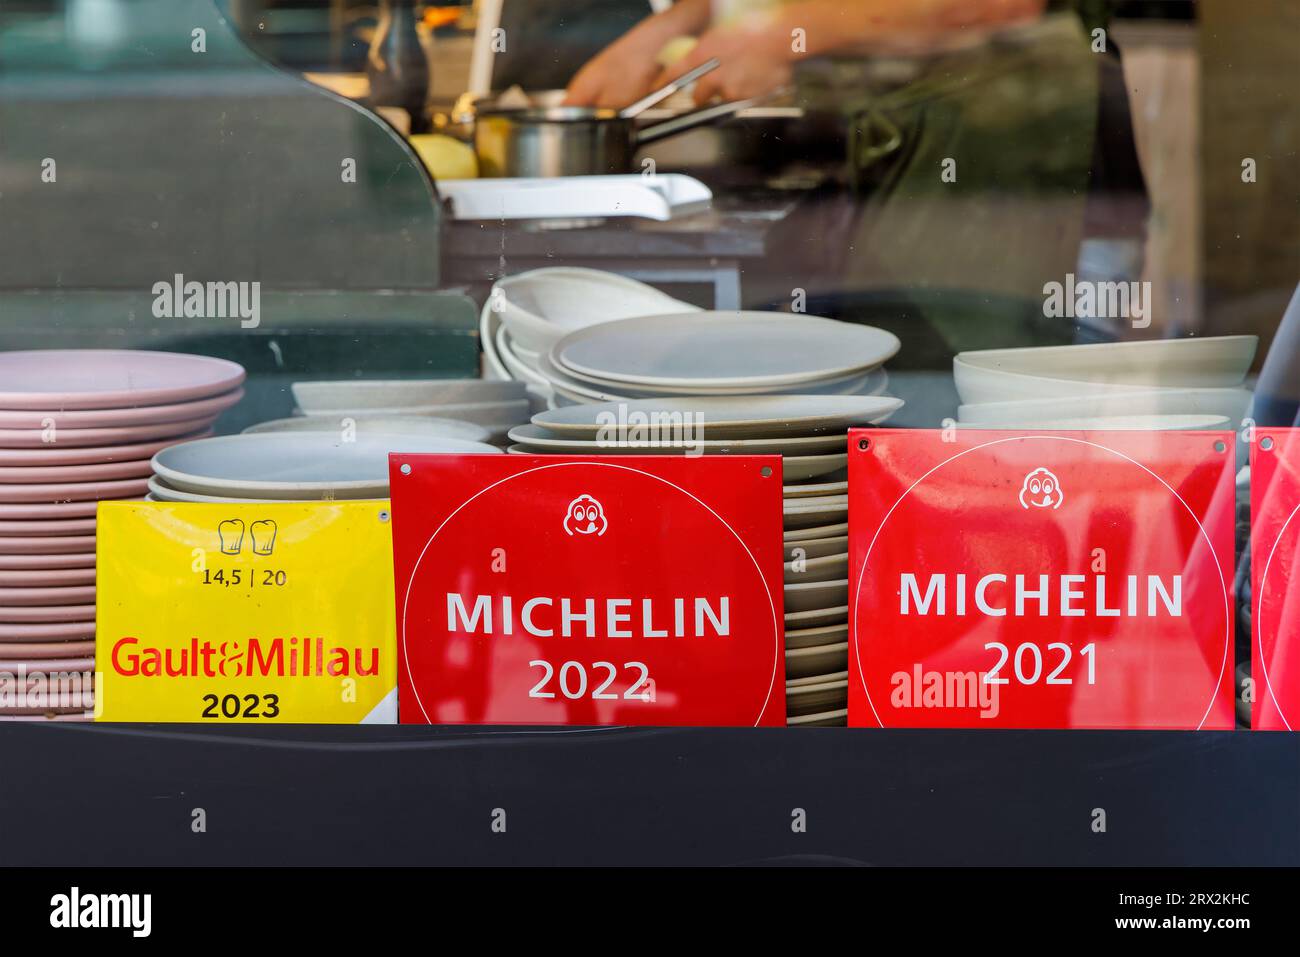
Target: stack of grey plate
(289,466)
(717,354)
(809,433)
(816,547)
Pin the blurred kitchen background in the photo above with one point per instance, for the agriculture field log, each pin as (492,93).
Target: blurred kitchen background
(214,165)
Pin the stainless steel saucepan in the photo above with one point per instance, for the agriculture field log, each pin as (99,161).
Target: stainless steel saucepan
(575,140)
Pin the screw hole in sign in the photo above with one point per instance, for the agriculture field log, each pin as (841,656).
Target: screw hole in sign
(864,444)
(406,469)
(1266,443)
(383,515)
(765,471)
(1220,446)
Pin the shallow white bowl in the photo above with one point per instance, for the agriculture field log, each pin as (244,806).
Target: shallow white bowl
(1229,403)
(1120,423)
(999,375)
(541,306)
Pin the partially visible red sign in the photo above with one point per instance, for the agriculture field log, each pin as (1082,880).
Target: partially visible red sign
(1275,579)
(1062,580)
(639,590)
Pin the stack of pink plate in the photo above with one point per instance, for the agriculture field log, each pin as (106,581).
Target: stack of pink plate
(77,427)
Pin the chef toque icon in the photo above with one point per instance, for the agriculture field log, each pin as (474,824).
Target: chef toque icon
(263,533)
(231,534)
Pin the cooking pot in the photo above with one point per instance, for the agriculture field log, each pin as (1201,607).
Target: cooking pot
(575,140)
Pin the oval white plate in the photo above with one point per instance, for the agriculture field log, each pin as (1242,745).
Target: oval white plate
(822,569)
(490,415)
(537,437)
(321,398)
(814,489)
(795,468)
(838,718)
(826,634)
(570,390)
(794,536)
(805,512)
(734,349)
(160,491)
(816,660)
(811,596)
(294,465)
(817,547)
(431,426)
(820,696)
(871,382)
(757,416)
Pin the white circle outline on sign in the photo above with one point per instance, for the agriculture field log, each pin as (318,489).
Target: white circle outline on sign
(777,657)
(1227,604)
(1259,609)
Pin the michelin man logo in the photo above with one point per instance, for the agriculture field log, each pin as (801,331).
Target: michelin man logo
(585,516)
(1042,489)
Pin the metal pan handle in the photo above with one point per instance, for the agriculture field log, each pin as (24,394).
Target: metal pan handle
(701,117)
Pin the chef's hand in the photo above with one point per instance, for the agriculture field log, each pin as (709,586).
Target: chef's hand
(626,70)
(755,60)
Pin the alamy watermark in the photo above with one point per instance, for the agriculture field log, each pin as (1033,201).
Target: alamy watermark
(651,429)
(176,298)
(1091,299)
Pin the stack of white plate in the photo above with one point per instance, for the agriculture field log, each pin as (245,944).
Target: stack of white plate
(1154,384)
(78,427)
(808,431)
(530,312)
(717,354)
(493,406)
(289,466)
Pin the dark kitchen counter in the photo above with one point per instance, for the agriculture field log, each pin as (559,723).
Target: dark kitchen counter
(803,225)
(319,795)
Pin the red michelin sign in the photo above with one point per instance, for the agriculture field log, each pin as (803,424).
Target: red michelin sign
(1275,583)
(639,590)
(1040,580)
